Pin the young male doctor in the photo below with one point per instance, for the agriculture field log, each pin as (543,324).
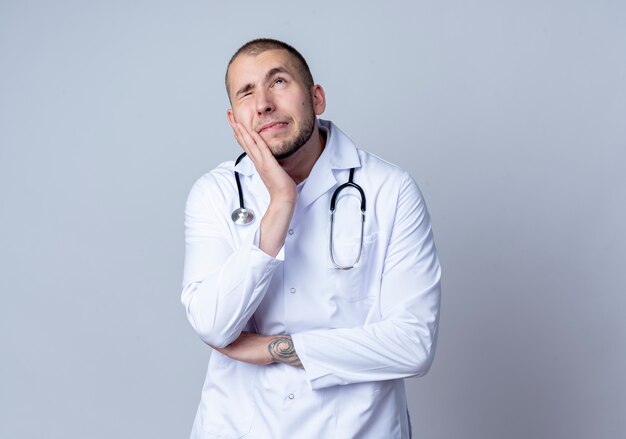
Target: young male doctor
(313,332)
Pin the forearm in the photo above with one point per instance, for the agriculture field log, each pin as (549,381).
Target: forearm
(399,345)
(223,288)
(274,226)
(232,304)
(220,304)
(262,349)
(354,355)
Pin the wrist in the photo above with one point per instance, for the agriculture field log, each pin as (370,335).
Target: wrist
(282,350)
(282,204)
(279,213)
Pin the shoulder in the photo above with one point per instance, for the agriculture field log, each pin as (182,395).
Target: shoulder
(217,176)
(393,187)
(216,184)
(383,171)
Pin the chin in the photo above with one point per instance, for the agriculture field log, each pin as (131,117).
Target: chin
(280,146)
(286,153)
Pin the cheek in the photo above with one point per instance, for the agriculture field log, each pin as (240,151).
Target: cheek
(244,116)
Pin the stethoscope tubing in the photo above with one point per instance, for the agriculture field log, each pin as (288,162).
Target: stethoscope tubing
(243,216)
(239,190)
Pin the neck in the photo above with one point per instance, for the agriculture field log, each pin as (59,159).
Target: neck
(299,165)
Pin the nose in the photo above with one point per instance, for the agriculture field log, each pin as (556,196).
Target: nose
(264,102)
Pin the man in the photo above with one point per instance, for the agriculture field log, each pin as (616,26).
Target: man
(302,348)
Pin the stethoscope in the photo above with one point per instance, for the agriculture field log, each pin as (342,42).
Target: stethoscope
(242,216)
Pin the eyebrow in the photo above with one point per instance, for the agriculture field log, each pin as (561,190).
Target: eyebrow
(271,72)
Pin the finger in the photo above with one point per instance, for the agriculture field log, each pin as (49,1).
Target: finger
(263,148)
(253,150)
(245,134)
(246,144)
(242,141)
(238,137)
(235,131)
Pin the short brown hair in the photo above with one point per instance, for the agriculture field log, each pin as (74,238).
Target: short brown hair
(260,45)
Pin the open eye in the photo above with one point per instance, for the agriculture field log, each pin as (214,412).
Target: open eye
(278,81)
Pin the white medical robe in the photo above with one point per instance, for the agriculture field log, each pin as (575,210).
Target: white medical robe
(357,332)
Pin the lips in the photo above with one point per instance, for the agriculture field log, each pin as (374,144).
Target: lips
(276,125)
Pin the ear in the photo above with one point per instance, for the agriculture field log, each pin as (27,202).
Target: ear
(230,116)
(319,99)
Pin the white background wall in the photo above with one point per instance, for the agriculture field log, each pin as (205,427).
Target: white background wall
(509,114)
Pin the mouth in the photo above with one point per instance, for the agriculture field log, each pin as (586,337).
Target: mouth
(273,126)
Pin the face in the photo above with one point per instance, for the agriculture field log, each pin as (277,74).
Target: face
(269,96)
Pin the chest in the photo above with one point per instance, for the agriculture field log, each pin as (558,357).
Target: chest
(307,291)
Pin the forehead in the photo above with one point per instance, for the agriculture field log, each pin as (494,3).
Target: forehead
(252,68)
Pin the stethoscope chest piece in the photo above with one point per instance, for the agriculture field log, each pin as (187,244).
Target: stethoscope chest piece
(242,216)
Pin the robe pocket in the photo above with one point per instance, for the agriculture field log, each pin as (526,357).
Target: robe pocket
(227,410)
(218,427)
(354,284)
